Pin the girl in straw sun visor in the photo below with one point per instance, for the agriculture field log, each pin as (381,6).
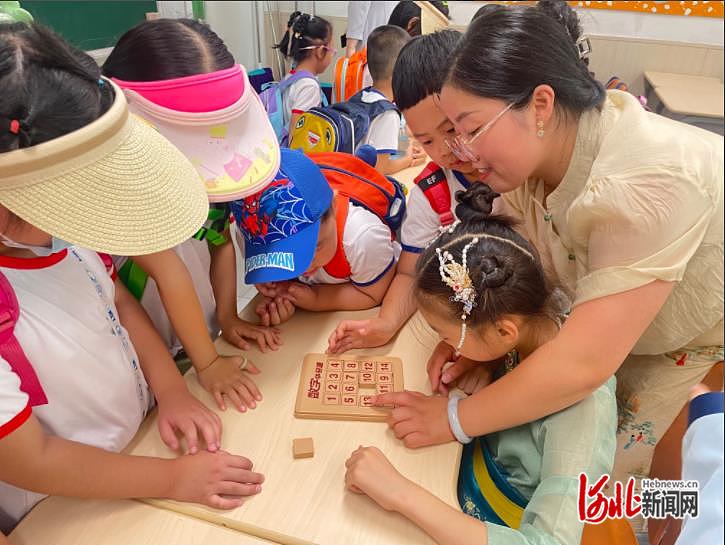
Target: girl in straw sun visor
(79,358)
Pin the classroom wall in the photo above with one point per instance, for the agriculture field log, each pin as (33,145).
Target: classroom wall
(624,43)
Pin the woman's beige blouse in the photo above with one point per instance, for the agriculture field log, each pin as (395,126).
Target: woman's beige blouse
(642,200)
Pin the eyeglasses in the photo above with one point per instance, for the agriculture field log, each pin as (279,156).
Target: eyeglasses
(461,147)
(323,46)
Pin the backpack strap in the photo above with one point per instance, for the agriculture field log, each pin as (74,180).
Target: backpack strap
(10,348)
(433,183)
(339,267)
(374,109)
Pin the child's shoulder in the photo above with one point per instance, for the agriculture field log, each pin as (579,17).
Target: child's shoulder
(361,224)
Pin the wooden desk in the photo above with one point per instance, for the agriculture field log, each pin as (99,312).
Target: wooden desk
(67,521)
(666,79)
(697,100)
(306,498)
(703,102)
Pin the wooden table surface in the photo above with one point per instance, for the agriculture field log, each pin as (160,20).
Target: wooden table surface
(705,102)
(69,521)
(667,79)
(306,498)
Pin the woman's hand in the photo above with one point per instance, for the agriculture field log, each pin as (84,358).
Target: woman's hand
(228,376)
(417,419)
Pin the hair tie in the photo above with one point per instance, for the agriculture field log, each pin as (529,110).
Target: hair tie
(101,83)
(14,126)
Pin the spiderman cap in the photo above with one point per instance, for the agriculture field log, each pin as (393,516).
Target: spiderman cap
(281,223)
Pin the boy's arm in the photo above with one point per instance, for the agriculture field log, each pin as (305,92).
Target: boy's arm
(347,296)
(178,409)
(387,165)
(181,303)
(398,306)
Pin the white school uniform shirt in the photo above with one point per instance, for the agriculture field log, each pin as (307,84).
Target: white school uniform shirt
(195,255)
(421,223)
(384,130)
(70,332)
(302,95)
(368,248)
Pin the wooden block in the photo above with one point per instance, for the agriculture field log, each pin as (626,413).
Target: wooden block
(385,367)
(333,376)
(385,378)
(352,366)
(367,379)
(334,365)
(331,399)
(349,388)
(368,366)
(350,377)
(350,401)
(383,388)
(303,447)
(332,387)
(366,400)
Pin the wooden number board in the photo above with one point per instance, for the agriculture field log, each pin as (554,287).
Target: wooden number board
(340,387)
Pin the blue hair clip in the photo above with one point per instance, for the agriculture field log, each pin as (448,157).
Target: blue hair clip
(101,83)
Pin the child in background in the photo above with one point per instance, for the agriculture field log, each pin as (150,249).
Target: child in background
(175,286)
(383,46)
(78,353)
(419,73)
(290,231)
(481,288)
(308,42)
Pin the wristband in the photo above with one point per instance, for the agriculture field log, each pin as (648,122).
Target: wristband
(453,421)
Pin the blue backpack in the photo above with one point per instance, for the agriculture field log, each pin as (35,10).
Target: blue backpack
(272,99)
(340,127)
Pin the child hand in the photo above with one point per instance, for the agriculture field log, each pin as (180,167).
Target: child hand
(181,412)
(225,377)
(370,472)
(359,334)
(480,376)
(274,311)
(301,295)
(216,479)
(235,330)
(273,289)
(416,155)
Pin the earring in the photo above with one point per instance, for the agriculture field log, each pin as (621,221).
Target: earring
(540,127)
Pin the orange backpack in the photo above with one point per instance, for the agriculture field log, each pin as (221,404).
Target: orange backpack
(349,75)
(355,181)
